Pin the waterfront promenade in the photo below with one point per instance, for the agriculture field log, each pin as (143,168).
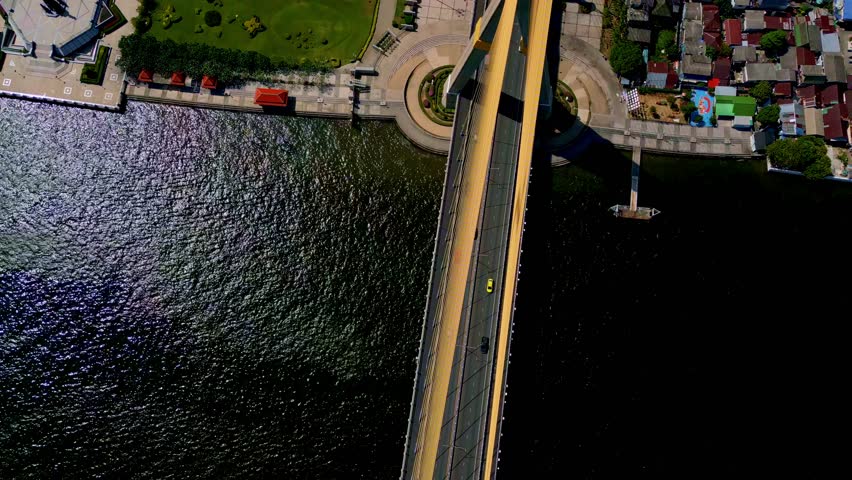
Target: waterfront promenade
(392,94)
(602,117)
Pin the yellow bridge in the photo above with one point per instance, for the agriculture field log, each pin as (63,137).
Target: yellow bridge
(498,87)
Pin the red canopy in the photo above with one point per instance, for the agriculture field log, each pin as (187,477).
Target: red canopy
(178,79)
(713,83)
(208,82)
(270,97)
(146,76)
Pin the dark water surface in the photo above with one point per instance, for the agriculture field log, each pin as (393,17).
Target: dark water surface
(200,294)
(708,343)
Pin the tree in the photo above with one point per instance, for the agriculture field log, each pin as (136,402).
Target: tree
(688,108)
(626,58)
(726,9)
(761,92)
(800,154)
(821,168)
(768,115)
(666,47)
(774,42)
(712,52)
(212,18)
(725,51)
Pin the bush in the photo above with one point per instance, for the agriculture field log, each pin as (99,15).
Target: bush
(213,18)
(761,92)
(800,155)
(768,115)
(672,101)
(198,11)
(199,29)
(626,59)
(688,108)
(94,74)
(141,24)
(653,110)
(254,26)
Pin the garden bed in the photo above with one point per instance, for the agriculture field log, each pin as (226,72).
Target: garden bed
(93,74)
(431,94)
(117,22)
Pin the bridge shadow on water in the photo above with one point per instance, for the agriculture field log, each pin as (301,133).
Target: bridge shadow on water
(702,343)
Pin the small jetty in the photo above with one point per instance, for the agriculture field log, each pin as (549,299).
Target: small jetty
(634,211)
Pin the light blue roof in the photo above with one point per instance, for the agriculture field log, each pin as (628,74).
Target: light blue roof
(830,42)
(846,12)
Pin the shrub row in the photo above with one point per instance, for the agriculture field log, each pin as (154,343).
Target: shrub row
(94,74)
(118,22)
(197,59)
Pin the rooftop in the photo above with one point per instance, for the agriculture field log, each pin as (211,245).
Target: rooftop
(31,21)
(735,106)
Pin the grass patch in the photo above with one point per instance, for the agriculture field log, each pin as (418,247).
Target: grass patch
(372,31)
(94,74)
(398,19)
(117,22)
(293,29)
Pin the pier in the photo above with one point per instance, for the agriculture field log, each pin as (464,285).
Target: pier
(634,211)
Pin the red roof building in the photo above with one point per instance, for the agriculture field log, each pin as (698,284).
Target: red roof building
(777,23)
(834,131)
(733,31)
(722,71)
(847,103)
(753,38)
(807,95)
(270,97)
(146,76)
(178,79)
(783,89)
(671,80)
(804,56)
(825,24)
(712,20)
(829,95)
(658,67)
(713,39)
(208,82)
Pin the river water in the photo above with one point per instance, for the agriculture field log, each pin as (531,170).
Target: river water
(201,294)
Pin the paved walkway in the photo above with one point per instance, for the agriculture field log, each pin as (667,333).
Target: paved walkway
(384,22)
(401,72)
(588,27)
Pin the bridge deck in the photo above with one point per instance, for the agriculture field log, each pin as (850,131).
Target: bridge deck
(459,391)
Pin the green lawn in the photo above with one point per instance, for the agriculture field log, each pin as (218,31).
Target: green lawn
(345,24)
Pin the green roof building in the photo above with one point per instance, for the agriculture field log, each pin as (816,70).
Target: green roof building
(740,108)
(727,106)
